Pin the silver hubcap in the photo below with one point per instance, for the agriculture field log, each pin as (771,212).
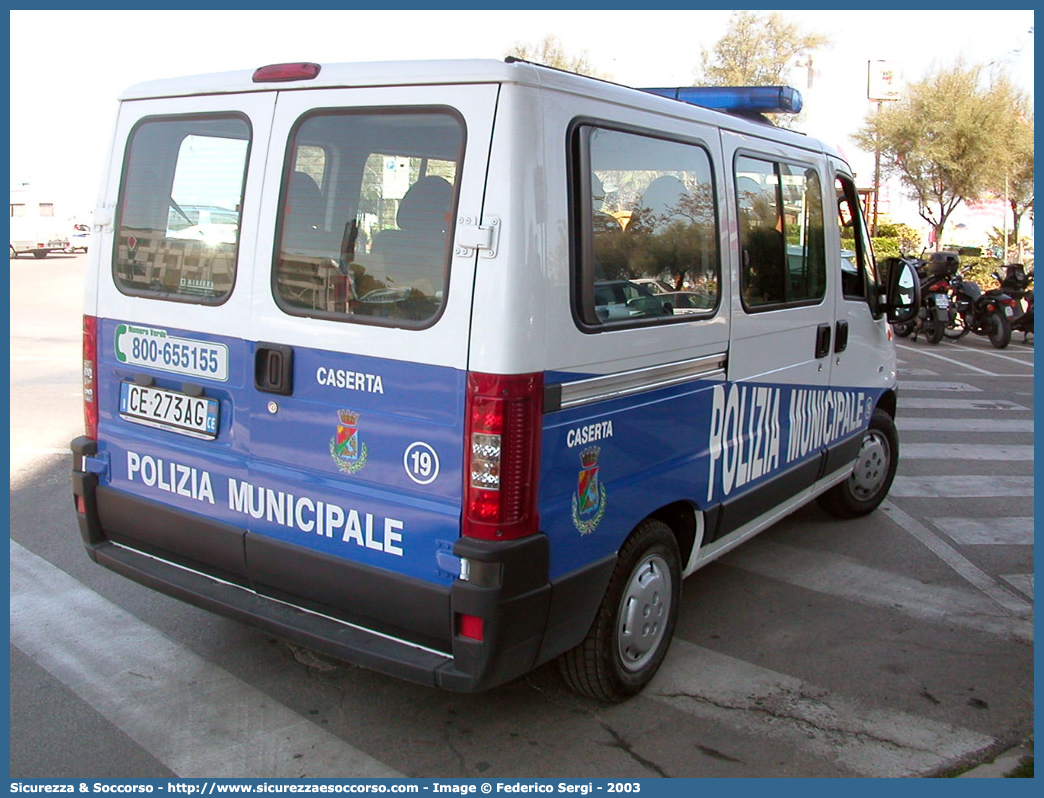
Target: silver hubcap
(871,468)
(643,612)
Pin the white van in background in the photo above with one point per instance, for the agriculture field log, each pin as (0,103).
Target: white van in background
(370,363)
(35,229)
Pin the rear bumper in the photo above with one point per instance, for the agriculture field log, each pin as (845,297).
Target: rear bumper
(527,618)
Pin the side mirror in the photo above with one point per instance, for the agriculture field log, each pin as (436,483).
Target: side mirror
(902,291)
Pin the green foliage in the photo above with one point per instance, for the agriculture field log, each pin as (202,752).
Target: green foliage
(550,52)
(948,139)
(893,240)
(886,246)
(757,50)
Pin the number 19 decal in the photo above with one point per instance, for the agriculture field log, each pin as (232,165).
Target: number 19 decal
(421,462)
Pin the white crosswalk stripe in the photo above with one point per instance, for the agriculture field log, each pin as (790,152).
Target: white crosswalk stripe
(1013,531)
(1011,442)
(939,386)
(966,451)
(195,717)
(839,576)
(914,403)
(869,741)
(955,487)
(947,425)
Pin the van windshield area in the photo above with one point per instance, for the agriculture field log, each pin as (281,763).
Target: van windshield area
(179,208)
(366,216)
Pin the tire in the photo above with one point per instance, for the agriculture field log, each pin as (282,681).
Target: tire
(934,330)
(872,473)
(635,622)
(903,329)
(1000,330)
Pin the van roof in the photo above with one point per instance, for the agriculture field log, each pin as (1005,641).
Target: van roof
(442,72)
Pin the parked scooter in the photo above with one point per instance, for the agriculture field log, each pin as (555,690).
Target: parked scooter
(971,310)
(1016,284)
(934,314)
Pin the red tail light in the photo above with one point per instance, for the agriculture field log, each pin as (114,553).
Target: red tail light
(90,383)
(277,73)
(503,455)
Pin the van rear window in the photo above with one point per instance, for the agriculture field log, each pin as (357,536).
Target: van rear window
(368,203)
(179,208)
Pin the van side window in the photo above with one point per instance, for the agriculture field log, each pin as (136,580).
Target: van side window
(366,216)
(646,228)
(858,270)
(179,208)
(781,227)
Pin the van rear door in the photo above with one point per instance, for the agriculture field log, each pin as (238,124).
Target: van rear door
(168,309)
(359,358)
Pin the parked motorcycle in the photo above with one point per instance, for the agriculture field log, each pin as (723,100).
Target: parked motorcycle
(1016,284)
(934,314)
(972,310)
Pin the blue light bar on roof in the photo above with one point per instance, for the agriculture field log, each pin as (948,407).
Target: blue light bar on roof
(737,99)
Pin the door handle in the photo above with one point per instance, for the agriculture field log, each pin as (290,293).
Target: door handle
(841,337)
(822,340)
(274,369)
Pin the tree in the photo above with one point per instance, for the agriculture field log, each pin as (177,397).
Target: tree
(1020,179)
(757,50)
(945,140)
(550,52)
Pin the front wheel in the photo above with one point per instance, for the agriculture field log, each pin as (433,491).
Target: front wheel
(635,623)
(872,474)
(1000,330)
(934,330)
(903,329)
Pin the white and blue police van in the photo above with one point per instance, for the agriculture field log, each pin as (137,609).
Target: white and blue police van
(449,369)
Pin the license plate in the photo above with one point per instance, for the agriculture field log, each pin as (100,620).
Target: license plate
(942,301)
(196,416)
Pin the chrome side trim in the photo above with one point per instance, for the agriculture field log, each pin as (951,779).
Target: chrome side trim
(627,383)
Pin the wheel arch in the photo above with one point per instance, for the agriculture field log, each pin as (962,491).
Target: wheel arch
(681,517)
(888,402)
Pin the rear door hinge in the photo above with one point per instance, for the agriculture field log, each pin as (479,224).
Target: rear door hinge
(483,238)
(104,215)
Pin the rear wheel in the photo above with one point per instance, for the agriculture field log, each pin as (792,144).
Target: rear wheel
(1000,330)
(635,623)
(872,474)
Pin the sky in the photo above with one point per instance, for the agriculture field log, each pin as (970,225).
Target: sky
(65,84)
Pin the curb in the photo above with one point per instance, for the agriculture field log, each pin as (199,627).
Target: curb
(1003,764)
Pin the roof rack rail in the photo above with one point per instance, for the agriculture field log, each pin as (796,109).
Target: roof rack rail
(743,100)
